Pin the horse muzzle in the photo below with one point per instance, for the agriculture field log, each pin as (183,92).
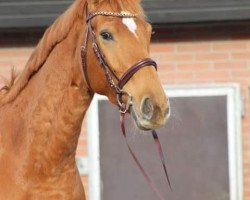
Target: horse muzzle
(150,116)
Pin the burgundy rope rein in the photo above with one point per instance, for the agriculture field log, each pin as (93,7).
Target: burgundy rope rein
(118,88)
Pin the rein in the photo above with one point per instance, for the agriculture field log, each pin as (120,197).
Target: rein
(117,85)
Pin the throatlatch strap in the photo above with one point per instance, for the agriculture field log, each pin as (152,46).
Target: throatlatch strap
(144,173)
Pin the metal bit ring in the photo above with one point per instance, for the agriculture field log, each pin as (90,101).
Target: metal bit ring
(123,108)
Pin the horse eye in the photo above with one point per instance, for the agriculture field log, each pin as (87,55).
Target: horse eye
(106,36)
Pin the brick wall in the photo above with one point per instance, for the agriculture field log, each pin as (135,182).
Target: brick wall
(196,55)
(206,62)
(208,55)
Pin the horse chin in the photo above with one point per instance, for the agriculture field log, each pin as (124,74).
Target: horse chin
(144,124)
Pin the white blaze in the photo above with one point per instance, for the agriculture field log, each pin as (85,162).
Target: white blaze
(130,23)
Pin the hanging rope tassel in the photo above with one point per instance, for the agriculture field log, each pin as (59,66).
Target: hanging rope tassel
(159,147)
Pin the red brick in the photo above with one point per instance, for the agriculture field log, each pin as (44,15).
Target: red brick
(231,65)
(85,185)
(166,67)
(15,52)
(212,75)
(175,57)
(81,152)
(82,141)
(246,147)
(230,46)
(177,76)
(242,74)
(212,56)
(155,48)
(246,166)
(247,183)
(247,194)
(194,66)
(6,63)
(195,47)
(241,55)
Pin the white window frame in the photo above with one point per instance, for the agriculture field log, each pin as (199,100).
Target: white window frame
(234,111)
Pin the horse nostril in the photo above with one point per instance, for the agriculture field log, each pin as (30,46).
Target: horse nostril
(147,108)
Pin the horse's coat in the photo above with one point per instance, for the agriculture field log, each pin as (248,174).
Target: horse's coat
(42,112)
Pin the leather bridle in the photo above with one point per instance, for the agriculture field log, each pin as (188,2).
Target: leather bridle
(117,85)
(114,81)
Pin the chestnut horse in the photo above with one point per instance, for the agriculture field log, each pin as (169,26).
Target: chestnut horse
(42,111)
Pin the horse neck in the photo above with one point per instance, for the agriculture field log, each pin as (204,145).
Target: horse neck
(52,107)
(67,100)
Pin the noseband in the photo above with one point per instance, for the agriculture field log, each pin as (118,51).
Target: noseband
(117,85)
(114,81)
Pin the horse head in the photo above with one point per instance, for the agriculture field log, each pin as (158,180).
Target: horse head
(123,38)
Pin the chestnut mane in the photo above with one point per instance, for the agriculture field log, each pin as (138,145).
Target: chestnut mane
(55,34)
